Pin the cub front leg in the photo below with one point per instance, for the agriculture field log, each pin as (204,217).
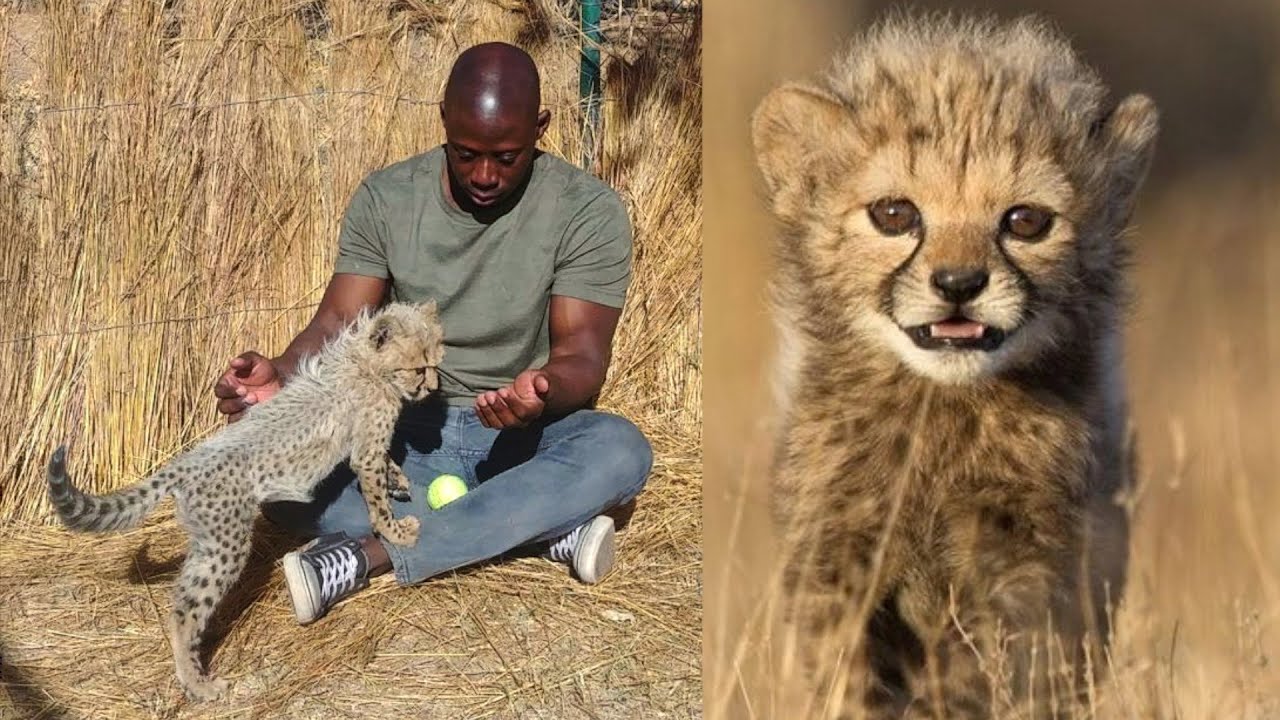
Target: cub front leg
(955,681)
(1003,640)
(832,601)
(371,467)
(397,483)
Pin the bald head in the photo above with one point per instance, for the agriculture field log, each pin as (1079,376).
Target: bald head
(492,123)
(494,80)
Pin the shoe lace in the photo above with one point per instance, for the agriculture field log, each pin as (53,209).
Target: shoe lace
(562,550)
(339,570)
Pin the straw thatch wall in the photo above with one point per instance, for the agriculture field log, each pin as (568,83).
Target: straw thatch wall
(172,176)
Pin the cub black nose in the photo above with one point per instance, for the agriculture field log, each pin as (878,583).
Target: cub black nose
(959,286)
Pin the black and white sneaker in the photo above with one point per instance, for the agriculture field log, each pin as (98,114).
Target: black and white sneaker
(323,572)
(588,549)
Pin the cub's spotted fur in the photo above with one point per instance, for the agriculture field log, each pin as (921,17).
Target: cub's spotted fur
(342,403)
(952,197)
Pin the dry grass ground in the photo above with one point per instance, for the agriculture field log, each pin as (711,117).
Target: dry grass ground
(172,176)
(1200,628)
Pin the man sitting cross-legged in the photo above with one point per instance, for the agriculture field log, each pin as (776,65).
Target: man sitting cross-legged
(529,260)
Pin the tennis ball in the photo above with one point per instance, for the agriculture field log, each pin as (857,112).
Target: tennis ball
(444,490)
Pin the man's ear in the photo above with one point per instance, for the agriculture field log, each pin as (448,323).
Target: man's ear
(788,129)
(544,120)
(1127,135)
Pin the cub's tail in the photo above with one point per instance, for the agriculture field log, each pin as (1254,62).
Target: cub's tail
(118,510)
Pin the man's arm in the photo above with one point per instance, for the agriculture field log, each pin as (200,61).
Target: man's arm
(581,347)
(253,378)
(343,300)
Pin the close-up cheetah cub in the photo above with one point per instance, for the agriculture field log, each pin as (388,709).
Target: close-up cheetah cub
(952,197)
(341,404)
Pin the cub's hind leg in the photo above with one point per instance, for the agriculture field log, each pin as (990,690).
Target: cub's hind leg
(220,531)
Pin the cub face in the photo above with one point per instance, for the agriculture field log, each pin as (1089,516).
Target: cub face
(949,208)
(961,268)
(407,345)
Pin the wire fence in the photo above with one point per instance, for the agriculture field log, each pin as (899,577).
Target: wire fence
(160,321)
(269,99)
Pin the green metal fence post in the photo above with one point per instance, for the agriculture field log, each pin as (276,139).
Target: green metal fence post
(589,80)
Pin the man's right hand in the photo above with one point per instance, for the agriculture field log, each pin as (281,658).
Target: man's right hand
(251,379)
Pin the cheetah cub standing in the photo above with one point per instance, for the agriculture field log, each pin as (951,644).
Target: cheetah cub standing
(953,433)
(342,403)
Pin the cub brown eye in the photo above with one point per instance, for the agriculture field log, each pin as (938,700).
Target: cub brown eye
(894,216)
(1026,222)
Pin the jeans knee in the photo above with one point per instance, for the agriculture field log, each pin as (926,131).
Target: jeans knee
(620,446)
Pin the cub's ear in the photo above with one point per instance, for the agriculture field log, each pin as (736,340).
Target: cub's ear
(790,128)
(1128,138)
(384,328)
(428,308)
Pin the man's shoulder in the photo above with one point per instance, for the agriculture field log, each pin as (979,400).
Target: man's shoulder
(403,173)
(573,183)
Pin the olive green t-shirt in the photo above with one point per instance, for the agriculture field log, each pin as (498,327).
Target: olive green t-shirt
(567,234)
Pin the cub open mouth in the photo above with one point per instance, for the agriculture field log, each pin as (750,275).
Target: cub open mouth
(956,333)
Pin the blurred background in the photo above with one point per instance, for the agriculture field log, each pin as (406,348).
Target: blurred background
(1200,624)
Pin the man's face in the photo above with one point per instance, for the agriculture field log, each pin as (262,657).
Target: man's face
(489,155)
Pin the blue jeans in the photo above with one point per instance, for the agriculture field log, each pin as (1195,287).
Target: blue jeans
(525,485)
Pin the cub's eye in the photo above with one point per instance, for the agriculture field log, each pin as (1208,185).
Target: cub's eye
(1026,222)
(894,216)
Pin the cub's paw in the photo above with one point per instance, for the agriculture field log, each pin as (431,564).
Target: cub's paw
(206,688)
(399,493)
(403,531)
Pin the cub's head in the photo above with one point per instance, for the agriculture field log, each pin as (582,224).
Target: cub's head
(406,344)
(952,191)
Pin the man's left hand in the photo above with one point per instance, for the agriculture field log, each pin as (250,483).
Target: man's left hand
(517,404)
